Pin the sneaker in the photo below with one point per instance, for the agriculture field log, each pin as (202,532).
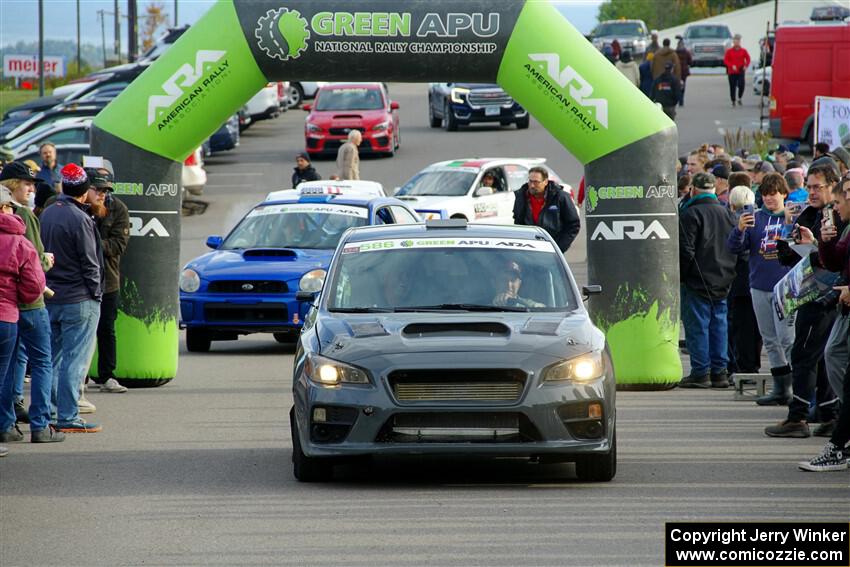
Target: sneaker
(47,435)
(85,406)
(691,381)
(21,413)
(11,435)
(831,459)
(3,451)
(740,103)
(825,429)
(78,426)
(719,380)
(113,387)
(788,428)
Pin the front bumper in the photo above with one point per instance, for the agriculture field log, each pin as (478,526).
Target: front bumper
(549,415)
(240,315)
(466,114)
(373,142)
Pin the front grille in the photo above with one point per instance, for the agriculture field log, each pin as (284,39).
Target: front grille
(489,98)
(247,286)
(343,131)
(257,313)
(708,49)
(473,427)
(472,385)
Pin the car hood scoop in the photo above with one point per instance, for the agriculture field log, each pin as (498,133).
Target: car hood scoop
(269,254)
(347,116)
(356,336)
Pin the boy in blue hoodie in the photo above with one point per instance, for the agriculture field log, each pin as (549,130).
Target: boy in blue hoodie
(759,234)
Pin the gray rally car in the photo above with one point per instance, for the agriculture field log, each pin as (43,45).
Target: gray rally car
(452,339)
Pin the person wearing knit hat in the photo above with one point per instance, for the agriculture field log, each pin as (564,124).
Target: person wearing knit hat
(304,170)
(841,156)
(76,279)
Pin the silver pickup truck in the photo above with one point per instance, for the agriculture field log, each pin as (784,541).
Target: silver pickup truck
(708,43)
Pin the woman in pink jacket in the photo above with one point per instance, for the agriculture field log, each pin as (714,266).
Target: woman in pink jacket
(21,281)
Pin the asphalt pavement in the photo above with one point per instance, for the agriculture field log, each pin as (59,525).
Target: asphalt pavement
(197,472)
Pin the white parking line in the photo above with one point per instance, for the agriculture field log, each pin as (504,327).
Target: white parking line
(246,174)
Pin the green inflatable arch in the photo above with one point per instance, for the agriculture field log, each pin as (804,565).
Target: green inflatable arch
(627,144)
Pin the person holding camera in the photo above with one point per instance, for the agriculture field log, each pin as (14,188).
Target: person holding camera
(813,323)
(759,232)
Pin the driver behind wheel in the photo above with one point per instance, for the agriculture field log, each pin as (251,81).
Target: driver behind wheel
(511,282)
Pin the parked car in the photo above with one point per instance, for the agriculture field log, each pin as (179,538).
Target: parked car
(343,107)
(88,109)
(707,43)
(193,178)
(225,138)
(761,81)
(460,104)
(251,281)
(448,339)
(299,91)
(65,131)
(632,35)
(265,104)
(65,153)
(456,187)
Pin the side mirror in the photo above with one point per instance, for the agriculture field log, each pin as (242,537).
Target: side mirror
(214,242)
(307,107)
(589,290)
(394,105)
(306,296)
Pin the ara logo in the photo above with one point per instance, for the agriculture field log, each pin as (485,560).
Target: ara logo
(151,228)
(580,89)
(630,230)
(183,78)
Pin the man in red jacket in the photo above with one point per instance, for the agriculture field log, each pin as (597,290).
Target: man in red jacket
(736,60)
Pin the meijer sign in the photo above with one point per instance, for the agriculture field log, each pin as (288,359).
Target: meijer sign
(27,66)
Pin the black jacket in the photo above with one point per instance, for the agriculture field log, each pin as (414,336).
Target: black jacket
(114,235)
(308,174)
(706,265)
(665,89)
(559,216)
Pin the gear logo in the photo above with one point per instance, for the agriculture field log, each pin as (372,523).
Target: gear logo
(282,34)
(407,243)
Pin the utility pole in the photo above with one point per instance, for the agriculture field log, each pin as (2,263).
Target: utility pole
(79,59)
(40,47)
(117,33)
(102,16)
(175,13)
(132,43)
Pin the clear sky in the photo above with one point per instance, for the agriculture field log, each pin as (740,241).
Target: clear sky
(19,18)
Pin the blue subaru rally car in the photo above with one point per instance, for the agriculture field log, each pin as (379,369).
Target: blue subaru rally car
(248,283)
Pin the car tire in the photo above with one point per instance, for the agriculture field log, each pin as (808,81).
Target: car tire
(598,468)
(523,123)
(286,338)
(433,120)
(449,120)
(197,340)
(304,468)
(294,95)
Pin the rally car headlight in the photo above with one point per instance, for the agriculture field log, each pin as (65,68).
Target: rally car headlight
(583,368)
(190,282)
(312,281)
(381,127)
(458,93)
(313,128)
(329,372)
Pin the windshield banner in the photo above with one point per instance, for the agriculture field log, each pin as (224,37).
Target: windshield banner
(402,243)
(310,209)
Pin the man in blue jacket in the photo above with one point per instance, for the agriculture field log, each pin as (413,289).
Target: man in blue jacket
(544,203)
(76,279)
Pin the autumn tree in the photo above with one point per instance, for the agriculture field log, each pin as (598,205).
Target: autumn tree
(668,13)
(155,16)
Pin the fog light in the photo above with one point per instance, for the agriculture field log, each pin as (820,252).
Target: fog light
(594,410)
(320,415)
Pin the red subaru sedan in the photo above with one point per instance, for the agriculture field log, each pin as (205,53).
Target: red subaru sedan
(342,107)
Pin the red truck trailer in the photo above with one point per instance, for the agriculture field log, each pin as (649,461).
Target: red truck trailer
(809,60)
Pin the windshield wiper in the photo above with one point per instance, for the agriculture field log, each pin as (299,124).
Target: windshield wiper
(360,310)
(461,307)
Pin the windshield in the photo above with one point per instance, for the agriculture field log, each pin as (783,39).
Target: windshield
(450,274)
(296,225)
(445,183)
(619,29)
(350,99)
(708,32)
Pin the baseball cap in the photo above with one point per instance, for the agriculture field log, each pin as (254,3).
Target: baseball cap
(704,181)
(765,167)
(720,171)
(17,170)
(100,178)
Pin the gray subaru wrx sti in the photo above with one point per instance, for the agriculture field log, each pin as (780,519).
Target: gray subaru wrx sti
(452,339)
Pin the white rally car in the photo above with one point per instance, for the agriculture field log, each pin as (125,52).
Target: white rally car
(456,187)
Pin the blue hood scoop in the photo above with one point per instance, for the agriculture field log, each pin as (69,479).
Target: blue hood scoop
(270,254)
